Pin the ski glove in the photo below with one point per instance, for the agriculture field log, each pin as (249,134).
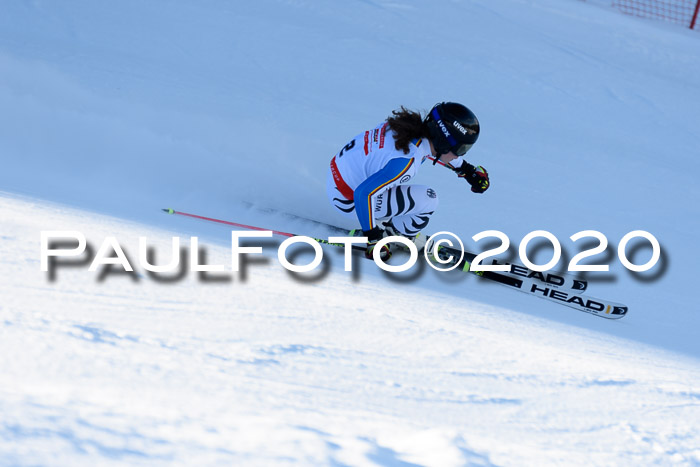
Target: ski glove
(477,176)
(373,236)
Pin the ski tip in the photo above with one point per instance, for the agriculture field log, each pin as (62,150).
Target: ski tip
(169,210)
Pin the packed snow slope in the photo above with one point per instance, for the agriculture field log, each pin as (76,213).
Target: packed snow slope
(266,370)
(233,110)
(589,118)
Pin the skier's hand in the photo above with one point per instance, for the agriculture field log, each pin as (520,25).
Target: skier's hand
(373,237)
(479,180)
(477,176)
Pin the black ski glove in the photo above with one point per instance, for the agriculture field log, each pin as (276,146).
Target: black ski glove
(373,236)
(477,176)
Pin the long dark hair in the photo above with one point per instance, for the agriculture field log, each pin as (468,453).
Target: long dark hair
(407,125)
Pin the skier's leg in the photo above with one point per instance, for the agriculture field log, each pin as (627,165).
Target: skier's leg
(407,207)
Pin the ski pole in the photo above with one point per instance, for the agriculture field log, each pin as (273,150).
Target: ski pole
(233,224)
(252,227)
(447,166)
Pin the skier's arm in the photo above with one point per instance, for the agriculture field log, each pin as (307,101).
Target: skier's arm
(392,171)
(456,164)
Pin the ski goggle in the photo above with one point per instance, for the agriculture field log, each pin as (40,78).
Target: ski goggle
(461,149)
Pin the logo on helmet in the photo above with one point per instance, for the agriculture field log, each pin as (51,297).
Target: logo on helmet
(444,128)
(464,131)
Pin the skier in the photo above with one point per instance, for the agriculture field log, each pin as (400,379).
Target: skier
(370,174)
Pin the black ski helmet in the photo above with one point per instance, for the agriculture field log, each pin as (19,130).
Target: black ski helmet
(452,127)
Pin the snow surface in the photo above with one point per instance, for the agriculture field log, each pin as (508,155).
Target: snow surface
(233,110)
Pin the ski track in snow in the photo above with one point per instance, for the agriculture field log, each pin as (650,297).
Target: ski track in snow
(589,121)
(274,370)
